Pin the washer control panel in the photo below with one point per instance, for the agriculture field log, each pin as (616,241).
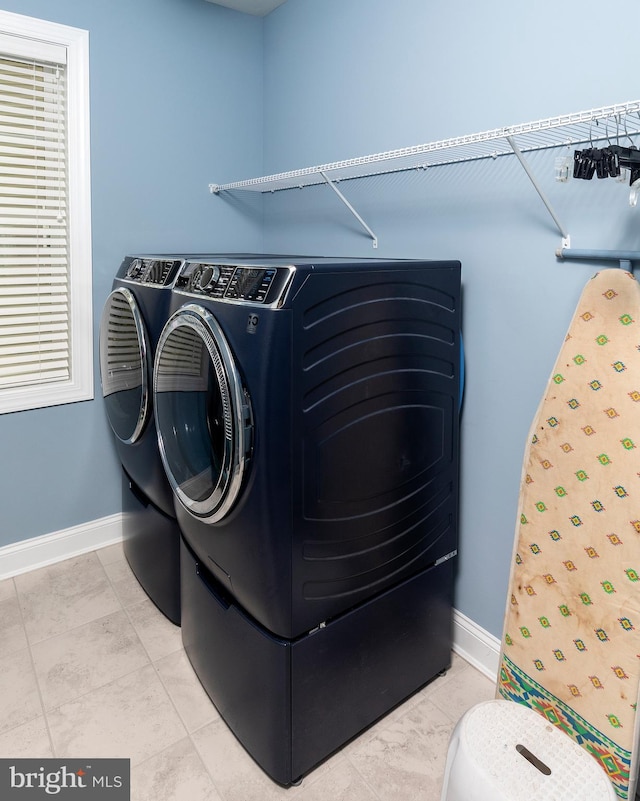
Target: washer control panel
(155,272)
(258,284)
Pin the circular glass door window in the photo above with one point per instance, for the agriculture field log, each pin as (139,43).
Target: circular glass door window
(202,412)
(124,367)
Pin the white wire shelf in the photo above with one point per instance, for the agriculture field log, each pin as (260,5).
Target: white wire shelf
(615,123)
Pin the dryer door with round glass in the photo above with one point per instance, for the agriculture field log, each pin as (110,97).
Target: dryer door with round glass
(203,414)
(124,366)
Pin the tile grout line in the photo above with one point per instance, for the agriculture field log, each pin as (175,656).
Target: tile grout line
(33,667)
(153,663)
(184,722)
(216,787)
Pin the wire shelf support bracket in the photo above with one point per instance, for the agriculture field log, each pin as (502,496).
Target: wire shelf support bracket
(566,240)
(350,207)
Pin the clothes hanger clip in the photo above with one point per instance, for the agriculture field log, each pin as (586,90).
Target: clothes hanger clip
(562,168)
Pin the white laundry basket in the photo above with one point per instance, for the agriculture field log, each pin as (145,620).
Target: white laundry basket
(504,751)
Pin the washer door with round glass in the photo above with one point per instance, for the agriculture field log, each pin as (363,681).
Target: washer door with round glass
(124,366)
(203,414)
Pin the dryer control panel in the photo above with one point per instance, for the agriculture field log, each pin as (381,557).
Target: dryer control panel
(150,271)
(260,284)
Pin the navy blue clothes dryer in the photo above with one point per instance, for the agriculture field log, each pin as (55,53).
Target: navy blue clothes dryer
(307,416)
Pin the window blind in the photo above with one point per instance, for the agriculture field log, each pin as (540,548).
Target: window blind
(35,301)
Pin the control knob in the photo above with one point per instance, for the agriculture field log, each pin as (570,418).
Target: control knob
(208,277)
(134,268)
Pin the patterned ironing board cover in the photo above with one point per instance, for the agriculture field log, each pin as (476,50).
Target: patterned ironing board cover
(571,645)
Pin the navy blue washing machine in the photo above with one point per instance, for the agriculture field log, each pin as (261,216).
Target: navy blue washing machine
(132,319)
(307,417)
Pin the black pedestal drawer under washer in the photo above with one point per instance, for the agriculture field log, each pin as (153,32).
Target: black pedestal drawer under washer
(132,319)
(307,416)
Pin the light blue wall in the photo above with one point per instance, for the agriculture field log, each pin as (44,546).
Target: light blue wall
(176,102)
(346,78)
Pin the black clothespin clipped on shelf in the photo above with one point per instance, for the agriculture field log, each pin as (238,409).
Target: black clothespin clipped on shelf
(583,164)
(606,162)
(610,163)
(629,157)
(603,162)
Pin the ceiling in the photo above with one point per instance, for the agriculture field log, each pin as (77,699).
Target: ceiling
(257,7)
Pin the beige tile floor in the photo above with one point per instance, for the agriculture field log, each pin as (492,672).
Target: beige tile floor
(89,667)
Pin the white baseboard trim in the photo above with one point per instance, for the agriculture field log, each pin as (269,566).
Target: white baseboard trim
(476,645)
(20,557)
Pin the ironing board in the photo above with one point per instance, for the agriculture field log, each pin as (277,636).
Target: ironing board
(571,645)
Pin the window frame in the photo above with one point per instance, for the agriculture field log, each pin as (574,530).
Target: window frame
(79,386)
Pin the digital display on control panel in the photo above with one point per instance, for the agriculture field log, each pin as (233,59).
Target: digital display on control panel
(250,283)
(247,282)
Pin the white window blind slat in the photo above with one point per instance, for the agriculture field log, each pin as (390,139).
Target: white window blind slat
(26,155)
(27,175)
(34,292)
(17,216)
(31,272)
(39,191)
(38,301)
(27,243)
(25,340)
(18,157)
(33,306)
(54,371)
(42,138)
(14,104)
(28,309)
(14,261)
(12,320)
(30,246)
(8,233)
(19,354)
(24,365)
(18,74)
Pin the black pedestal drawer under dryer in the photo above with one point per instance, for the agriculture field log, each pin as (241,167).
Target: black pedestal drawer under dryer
(307,416)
